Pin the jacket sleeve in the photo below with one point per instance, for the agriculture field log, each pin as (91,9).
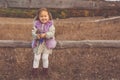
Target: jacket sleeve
(51,32)
(34,35)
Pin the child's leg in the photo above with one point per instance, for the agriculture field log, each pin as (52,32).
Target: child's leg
(45,63)
(45,60)
(37,55)
(36,60)
(45,57)
(35,70)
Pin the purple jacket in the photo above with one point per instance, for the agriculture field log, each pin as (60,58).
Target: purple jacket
(44,28)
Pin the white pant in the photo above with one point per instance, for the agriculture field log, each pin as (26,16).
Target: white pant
(37,60)
(41,53)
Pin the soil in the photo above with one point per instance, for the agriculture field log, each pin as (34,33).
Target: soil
(65,64)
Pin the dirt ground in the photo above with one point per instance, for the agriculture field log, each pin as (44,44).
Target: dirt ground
(65,64)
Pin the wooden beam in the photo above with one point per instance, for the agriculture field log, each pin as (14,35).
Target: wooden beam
(65,44)
(14,44)
(81,4)
(89,44)
(107,19)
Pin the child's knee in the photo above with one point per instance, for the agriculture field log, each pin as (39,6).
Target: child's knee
(45,57)
(37,57)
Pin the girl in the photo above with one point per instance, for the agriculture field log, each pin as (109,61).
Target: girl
(43,40)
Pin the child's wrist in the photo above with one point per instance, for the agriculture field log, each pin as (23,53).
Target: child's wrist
(43,35)
(38,36)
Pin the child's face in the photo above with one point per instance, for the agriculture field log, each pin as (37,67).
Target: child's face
(44,17)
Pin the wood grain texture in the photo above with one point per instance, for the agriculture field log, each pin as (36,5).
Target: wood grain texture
(60,4)
(65,44)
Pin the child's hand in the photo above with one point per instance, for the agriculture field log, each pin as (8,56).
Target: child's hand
(38,36)
(37,32)
(43,35)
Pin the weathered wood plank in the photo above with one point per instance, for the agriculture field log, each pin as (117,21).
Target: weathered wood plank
(89,44)
(107,19)
(65,44)
(14,44)
(60,4)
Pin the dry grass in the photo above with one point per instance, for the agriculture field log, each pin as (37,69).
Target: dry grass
(67,64)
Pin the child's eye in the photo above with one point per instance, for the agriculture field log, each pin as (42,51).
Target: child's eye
(41,16)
